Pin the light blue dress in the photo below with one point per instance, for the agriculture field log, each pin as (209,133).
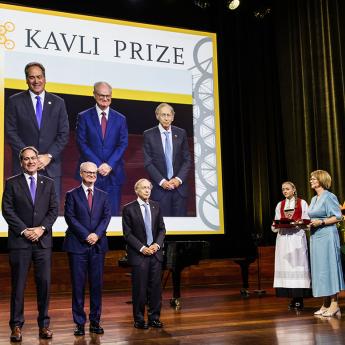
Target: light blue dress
(326,270)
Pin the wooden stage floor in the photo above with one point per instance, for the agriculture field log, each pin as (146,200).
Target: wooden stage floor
(215,315)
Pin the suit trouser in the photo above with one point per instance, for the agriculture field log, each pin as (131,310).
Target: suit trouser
(57,187)
(89,265)
(20,261)
(114,194)
(172,203)
(146,288)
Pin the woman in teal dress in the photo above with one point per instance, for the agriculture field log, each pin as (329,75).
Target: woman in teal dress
(326,271)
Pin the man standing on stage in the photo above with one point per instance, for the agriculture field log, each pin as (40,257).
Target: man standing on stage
(87,213)
(144,232)
(30,208)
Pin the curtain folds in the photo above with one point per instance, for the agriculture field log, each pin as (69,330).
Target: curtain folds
(287,110)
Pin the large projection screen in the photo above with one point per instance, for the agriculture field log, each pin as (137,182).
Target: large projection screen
(146,65)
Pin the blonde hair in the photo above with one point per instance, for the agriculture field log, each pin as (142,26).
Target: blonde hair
(323,177)
(292,185)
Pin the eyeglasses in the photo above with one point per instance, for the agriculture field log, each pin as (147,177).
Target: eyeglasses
(103,96)
(90,172)
(33,158)
(165,115)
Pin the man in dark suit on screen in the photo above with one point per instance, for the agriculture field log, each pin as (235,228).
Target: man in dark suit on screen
(29,207)
(38,118)
(102,138)
(167,160)
(144,232)
(87,213)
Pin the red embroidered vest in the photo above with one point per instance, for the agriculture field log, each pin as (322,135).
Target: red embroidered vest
(297,215)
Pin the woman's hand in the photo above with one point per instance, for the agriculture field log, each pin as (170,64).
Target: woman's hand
(315,223)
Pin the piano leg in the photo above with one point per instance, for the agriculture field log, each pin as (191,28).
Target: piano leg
(175,301)
(244,265)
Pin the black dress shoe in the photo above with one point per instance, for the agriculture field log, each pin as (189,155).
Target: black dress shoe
(299,305)
(296,304)
(79,330)
(16,334)
(175,303)
(156,324)
(141,325)
(96,328)
(45,333)
(291,304)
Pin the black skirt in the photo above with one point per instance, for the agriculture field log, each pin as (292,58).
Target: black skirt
(293,293)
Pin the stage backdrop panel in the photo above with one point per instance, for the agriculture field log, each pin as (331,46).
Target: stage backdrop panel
(146,65)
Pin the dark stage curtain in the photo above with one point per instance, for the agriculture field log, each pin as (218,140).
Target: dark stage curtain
(311,43)
(284,71)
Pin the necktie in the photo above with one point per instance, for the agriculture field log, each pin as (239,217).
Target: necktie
(103,124)
(168,156)
(32,188)
(148,227)
(38,111)
(89,198)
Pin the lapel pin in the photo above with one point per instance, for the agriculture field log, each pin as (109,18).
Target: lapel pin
(175,135)
(42,182)
(49,102)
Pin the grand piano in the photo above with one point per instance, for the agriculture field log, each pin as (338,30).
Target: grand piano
(180,254)
(177,256)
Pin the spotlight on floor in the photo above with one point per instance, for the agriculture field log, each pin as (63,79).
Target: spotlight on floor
(233,4)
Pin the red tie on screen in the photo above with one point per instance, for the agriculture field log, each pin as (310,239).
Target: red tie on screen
(89,197)
(103,124)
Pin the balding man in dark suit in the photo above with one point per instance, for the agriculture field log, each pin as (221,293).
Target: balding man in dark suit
(167,160)
(144,232)
(87,213)
(29,207)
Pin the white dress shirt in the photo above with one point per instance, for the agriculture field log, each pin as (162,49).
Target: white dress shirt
(100,111)
(34,100)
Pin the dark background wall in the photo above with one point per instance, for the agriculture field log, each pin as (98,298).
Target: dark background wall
(281,83)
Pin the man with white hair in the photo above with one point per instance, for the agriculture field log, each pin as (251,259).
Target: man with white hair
(144,232)
(87,213)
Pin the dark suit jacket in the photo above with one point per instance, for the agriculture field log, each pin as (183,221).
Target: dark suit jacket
(22,130)
(134,230)
(93,148)
(81,221)
(20,212)
(154,159)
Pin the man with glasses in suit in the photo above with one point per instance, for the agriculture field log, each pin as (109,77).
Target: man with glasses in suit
(87,214)
(102,138)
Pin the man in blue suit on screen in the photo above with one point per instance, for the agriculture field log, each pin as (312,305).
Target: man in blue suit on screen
(87,214)
(102,138)
(167,160)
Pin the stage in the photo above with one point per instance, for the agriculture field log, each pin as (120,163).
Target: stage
(214,314)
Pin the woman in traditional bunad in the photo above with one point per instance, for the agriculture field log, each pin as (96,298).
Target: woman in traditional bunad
(291,267)
(325,256)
